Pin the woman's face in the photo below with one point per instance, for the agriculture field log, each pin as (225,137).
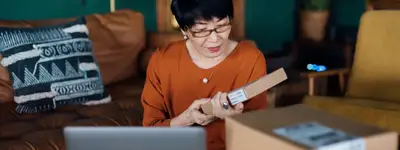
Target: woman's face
(210,38)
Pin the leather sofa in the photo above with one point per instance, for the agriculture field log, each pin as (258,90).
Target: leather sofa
(119,45)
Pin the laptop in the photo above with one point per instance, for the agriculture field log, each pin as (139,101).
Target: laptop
(135,138)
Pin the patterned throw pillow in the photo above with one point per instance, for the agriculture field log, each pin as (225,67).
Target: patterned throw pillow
(51,67)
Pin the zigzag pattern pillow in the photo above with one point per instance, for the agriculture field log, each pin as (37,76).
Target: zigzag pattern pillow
(51,67)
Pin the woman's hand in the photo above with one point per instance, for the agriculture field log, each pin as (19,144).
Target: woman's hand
(192,115)
(218,106)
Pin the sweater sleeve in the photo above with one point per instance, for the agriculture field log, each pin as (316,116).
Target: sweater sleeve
(155,113)
(259,101)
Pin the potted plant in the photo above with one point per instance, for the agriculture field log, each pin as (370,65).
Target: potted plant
(313,18)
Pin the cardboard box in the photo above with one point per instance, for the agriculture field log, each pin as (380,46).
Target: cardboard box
(301,127)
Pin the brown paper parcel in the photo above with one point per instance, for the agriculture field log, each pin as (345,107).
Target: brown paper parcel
(251,90)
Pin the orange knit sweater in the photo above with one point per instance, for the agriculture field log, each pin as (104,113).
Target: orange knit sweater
(173,82)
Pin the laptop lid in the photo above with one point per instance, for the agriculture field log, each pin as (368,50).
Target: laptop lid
(135,138)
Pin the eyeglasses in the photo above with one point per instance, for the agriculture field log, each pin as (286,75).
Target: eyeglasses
(205,33)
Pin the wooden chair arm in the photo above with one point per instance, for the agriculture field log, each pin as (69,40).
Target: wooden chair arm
(312,75)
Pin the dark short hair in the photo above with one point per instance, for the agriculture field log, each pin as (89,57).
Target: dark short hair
(187,12)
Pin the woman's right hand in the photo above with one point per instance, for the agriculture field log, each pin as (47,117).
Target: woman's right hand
(193,115)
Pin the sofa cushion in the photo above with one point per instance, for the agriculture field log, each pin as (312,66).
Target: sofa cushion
(382,115)
(117,39)
(51,67)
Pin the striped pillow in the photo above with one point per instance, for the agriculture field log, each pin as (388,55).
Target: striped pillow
(51,67)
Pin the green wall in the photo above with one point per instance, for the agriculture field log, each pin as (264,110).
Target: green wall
(269,23)
(348,12)
(147,7)
(45,9)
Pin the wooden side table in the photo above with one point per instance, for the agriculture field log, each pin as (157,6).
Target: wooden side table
(293,90)
(312,76)
(336,56)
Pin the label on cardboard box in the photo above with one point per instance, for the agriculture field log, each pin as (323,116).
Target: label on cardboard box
(356,144)
(237,96)
(320,137)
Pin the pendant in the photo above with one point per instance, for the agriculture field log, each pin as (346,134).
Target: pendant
(205,80)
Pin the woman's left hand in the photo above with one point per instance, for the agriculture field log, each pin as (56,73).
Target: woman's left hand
(218,109)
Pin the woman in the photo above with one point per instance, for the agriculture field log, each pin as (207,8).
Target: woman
(203,67)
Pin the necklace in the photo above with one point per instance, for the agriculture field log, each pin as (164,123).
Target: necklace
(206,79)
(195,60)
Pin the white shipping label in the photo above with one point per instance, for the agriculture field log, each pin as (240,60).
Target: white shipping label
(320,137)
(237,96)
(356,144)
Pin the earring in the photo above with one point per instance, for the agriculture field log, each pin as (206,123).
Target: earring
(185,37)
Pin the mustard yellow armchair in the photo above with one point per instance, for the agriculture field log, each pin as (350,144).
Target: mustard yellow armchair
(372,94)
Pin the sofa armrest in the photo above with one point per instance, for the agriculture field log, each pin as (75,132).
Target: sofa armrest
(6,89)
(154,41)
(6,92)
(312,75)
(144,59)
